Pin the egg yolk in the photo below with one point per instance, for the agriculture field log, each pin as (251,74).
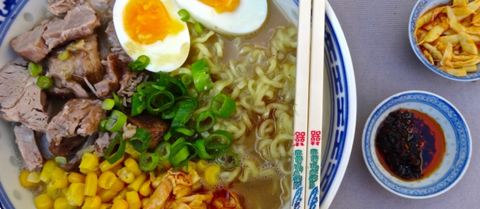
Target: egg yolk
(221,6)
(148,21)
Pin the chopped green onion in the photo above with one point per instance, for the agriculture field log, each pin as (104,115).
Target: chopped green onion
(141,140)
(161,78)
(163,151)
(84,150)
(147,161)
(34,69)
(139,104)
(179,154)
(223,106)
(186,79)
(44,82)
(118,103)
(146,87)
(177,88)
(64,55)
(184,113)
(201,75)
(184,15)
(121,149)
(108,104)
(199,27)
(184,131)
(219,139)
(102,126)
(169,113)
(202,152)
(181,99)
(227,159)
(139,64)
(159,101)
(205,121)
(167,135)
(116,121)
(60,160)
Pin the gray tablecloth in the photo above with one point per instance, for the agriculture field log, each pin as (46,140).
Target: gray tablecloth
(384,63)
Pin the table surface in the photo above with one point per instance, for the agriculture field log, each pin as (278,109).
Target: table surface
(384,64)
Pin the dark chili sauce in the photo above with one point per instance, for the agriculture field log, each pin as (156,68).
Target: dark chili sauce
(410,144)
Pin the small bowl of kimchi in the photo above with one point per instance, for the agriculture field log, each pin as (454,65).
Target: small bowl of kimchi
(443,35)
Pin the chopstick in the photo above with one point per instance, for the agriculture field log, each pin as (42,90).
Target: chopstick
(301,105)
(315,119)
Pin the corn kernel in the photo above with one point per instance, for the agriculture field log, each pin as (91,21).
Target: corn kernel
(91,183)
(75,196)
(105,165)
(166,164)
(145,189)
(34,177)
(62,203)
(59,178)
(190,166)
(24,179)
(43,202)
(121,194)
(201,166)
(75,177)
(133,200)
(211,174)
(47,171)
(125,175)
(138,182)
(52,191)
(98,172)
(106,195)
(117,186)
(145,201)
(158,180)
(105,206)
(107,179)
(92,203)
(116,168)
(120,204)
(130,150)
(132,166)
(89,163)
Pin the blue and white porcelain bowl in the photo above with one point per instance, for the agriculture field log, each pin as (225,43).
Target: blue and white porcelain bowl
(458,145)
(420,8)
(340,101)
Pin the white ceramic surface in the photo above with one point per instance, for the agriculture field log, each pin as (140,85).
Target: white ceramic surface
(18,16)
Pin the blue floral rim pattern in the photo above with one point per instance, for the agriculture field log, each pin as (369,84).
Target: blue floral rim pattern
(462,136)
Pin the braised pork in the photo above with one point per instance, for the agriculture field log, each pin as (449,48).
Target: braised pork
(31,45)
(12,84)
(25,139)
(153,124)
(109,83)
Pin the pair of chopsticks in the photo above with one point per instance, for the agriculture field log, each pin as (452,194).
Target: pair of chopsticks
(308,105)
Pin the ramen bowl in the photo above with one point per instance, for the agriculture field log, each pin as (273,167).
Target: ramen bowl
(340,102)
(458,148)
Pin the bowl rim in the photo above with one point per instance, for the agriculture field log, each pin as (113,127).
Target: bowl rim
(463,168)
(413,43)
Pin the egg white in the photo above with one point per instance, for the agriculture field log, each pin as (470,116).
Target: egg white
(166,55)
(248,17)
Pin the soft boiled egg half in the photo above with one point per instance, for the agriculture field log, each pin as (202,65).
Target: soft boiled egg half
(152,28)
(233,17)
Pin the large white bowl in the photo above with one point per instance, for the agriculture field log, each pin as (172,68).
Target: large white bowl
(339,117)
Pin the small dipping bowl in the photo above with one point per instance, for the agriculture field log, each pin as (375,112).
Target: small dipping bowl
(420,8)
(457,138)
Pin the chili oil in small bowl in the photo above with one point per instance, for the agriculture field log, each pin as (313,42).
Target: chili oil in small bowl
(416,144)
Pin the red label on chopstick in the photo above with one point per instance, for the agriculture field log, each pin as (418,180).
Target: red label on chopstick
(316,137)
(299,139)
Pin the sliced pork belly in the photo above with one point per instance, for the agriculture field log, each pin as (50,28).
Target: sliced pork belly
(109,83)
(31,45)
(25,139)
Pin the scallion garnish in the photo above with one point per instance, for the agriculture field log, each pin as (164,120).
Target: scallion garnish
(159,101)
(227,159)
(201,75)
(202,152)
(223,106)
(184,113)
(198,27)
(108,104)
(139,103)
(141,140)
(118,102)
(179,154)
(185,131)
(64,55)
(120,151)
(184,15)
(169,113)
(139,64)
(186,79)
(60,160)
(44,82)
(163,151)
(147,161)
(205,121)
(102,126)
(34,69)
(219,139)
(116,121)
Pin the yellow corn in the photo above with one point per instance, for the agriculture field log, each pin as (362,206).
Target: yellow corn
(120,204)
(75,196)
(43,202)
(166,164)
(133,200)
(47,171)
(211,174)
(59,178)
(145,201)
(24,179)
(138,182)
(105,206)
(34,177)
(89,163)
(201,166)
(91,183)
(62,203)
(106,195)
(125,175)
(132,166)
(76,177)
(117,186)
(105,165)
(190,166)
(130,150)
(116,168)
(158,180)
(121,194)
(99,172)
(52,191)
(145,189)
(92,203)
(107,179)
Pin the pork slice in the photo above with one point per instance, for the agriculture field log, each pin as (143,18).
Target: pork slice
(66,146)
(79,22)
(153,124)
(128,85)
(25,139)
(12,84)
(31,45)
(109,83)
(102,143)
(61,7)
(79,117)
(67,89)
